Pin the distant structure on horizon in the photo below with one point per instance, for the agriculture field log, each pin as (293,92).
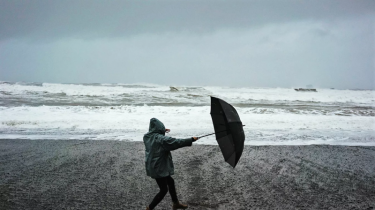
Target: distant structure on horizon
(306,89)
(309,88)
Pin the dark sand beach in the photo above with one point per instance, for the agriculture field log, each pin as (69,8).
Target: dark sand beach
(111,175)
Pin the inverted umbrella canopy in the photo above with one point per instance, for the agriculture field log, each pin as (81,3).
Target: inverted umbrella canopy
(228,130)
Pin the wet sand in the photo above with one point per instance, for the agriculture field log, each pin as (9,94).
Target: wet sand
(111,175)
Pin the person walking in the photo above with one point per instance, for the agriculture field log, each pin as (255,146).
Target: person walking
(159,164)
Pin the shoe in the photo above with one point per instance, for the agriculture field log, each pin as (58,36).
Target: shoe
(179,205)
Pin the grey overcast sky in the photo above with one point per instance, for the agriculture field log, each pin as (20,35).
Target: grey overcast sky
(278,43)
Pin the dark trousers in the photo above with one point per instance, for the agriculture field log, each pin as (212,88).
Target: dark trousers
(164,183)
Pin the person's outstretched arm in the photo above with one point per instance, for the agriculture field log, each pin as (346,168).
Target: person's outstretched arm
(169,143)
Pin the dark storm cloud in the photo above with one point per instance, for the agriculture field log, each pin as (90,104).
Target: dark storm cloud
(42,19)
(279,43)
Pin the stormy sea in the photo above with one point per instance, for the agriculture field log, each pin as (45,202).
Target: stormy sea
(79,146)
(273,116)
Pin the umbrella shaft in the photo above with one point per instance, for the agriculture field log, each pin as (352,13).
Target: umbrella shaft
(211,134)
(206,135)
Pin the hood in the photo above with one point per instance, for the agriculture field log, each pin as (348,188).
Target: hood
(156,126)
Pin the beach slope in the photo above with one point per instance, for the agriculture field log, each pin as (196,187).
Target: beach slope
(71,174)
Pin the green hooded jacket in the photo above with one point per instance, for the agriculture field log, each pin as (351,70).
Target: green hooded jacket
(158,146)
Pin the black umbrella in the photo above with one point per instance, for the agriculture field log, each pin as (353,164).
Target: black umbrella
(228,130)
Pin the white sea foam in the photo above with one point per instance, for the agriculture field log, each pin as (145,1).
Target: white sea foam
(131,122)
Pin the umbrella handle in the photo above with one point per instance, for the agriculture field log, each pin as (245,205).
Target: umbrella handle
(211,134)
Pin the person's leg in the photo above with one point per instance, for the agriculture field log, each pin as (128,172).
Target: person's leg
(163,185)
(172,189)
